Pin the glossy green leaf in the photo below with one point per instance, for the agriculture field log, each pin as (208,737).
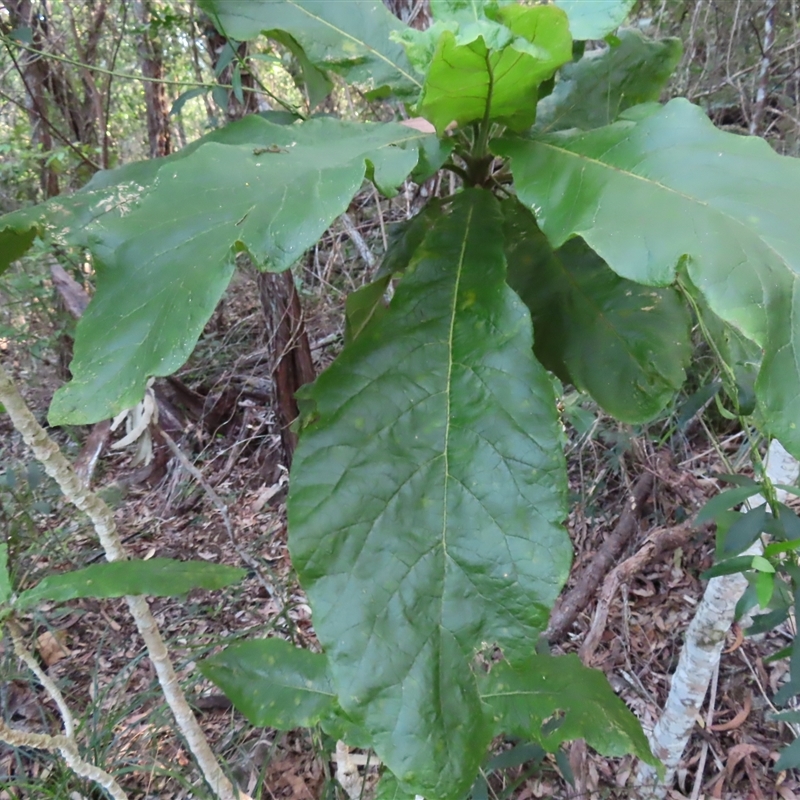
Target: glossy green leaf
(625,344)
(405,238)
(161,577)
(273,683)
(164,234)
(594,91)
(554,699)
(595,19)
(491,69)
(745,531)
(351,37)
(730,566)
(725,500)
(671,189)
(426,499)
(182,99)
(5,579)
(389,789)
(363,305)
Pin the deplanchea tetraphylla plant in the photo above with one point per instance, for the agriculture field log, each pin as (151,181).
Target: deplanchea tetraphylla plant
(429,487)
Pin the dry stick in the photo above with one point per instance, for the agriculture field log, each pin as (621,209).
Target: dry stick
(358,240)
(102,518)
(587,581)
(64,743)
(69,752)
(50,687)
(659,541)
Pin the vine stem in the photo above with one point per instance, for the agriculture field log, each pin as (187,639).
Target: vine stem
(69,751)
(57,467)
(65,743)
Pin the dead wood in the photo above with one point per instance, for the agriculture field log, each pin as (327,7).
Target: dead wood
(658,541)
(589,578)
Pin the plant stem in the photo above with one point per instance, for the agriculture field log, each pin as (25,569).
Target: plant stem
(57,467)
(66,746)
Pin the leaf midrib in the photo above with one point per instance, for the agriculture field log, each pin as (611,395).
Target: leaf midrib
(696,200)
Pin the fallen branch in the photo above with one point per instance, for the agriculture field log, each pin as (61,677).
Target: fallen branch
(588,579)
(57,467)
(659,541)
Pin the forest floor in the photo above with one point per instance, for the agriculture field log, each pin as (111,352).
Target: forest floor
(92,651)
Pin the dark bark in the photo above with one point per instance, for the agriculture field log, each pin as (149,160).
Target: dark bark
(151,58)
(216,44)
(416,13)
(292,366)
(285,330)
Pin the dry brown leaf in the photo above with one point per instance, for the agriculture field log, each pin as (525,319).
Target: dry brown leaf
(265,494)
(52,646)
(419,124)
(738,719)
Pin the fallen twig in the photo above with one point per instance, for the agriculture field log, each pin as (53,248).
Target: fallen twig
(588,579)
(657,542)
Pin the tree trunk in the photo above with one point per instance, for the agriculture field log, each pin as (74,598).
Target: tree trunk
(416,13)
(151,59)
(249,104)
(292,366)
(285,329)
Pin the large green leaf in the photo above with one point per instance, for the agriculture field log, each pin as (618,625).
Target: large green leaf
(556,699)
(491,69)
(164,234)
(273,683)
(426,499)
(593,91)
(316,82)
(162,577)
(625,344)
(671,189)
(594,19)
(352,37)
